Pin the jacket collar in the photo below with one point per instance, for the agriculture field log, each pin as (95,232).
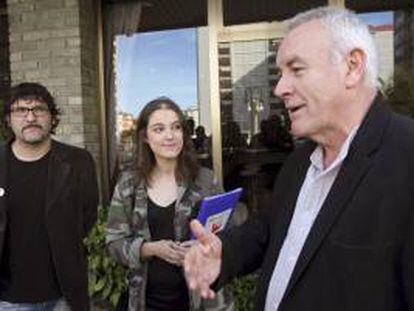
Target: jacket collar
(58,174)
(3,173)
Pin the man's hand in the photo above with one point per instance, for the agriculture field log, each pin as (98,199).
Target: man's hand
(202,263)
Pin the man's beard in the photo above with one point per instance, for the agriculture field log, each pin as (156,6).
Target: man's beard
(39,139)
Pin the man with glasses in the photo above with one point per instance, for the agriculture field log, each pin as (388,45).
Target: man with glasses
(48,203)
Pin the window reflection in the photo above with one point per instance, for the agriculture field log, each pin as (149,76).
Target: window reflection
(255,127)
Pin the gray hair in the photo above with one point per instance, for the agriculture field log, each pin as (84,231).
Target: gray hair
(348,32)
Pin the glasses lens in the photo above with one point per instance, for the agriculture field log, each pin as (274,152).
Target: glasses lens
(20,111)
(40,110)
(24,111)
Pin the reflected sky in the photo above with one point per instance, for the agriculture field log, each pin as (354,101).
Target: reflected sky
(150,65)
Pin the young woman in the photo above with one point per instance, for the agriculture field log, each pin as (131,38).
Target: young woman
(151,209)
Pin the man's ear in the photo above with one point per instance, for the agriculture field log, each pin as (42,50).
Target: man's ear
(356,67)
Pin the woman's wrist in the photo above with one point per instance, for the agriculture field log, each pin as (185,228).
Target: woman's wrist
(147,250)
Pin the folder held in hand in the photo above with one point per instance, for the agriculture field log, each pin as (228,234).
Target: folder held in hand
(215,211)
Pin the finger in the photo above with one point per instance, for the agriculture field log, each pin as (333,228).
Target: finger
(178,247)
(215,244)
(190,268)
(204,237)
(204,287)
(207,293)
(173,262)
(199,231)
(188,244)
(179,255)
(173,258)
(198,283)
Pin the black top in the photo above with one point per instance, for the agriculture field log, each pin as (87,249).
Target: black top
(166,286)
(27,273)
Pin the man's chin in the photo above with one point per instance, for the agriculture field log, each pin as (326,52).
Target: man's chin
(36,141)
(297,131)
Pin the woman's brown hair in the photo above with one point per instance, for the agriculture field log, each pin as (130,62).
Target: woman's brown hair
(187,166)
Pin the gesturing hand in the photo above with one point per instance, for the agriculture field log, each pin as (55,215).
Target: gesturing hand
(202,263)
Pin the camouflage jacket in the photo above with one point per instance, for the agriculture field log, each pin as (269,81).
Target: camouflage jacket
(127,228)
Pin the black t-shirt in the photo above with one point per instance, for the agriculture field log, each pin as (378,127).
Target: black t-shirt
(27,272)
(166,286)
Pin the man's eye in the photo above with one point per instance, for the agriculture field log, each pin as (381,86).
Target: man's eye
(298,70)
(278,75)
(39,109)
(21,110)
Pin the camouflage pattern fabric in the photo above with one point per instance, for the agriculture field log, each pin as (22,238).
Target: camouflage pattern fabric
(127,228)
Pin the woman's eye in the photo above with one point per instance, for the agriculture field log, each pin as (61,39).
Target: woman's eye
(158,129)
(177,127)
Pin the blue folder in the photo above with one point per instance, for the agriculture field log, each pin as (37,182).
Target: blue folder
(215,211)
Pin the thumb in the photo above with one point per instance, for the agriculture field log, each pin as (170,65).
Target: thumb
(200,233)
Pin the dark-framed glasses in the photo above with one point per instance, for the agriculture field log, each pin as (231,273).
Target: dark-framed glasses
(38,111)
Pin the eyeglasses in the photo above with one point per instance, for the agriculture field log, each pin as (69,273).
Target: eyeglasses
(38,111)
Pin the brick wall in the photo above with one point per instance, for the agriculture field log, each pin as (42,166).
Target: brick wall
(4,51)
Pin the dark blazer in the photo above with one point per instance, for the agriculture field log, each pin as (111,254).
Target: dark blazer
(71,210)
(359,255)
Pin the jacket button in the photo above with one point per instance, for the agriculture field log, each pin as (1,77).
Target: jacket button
(1,192)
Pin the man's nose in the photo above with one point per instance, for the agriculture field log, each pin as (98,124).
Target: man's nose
(283,87)
(30,115)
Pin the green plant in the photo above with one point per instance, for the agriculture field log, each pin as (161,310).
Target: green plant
(399,91)
(244,289)
(107,278)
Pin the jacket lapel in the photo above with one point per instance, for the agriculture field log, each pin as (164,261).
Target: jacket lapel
(286,206)
(3,173)
(58,175)
(180,192)
(282,209)
(354,168)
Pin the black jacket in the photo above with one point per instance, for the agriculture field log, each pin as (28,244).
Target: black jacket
(71,210)
(359,254)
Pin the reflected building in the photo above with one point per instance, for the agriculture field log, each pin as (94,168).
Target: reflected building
(404,39)
(384,39)
(126,126)
(247,75)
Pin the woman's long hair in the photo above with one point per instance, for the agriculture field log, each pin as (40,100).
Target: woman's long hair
(187,166)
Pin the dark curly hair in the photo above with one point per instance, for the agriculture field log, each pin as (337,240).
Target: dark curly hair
(187,166)
(32,91)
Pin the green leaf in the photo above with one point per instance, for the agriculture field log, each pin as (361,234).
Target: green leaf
(106,276)
(99,285)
